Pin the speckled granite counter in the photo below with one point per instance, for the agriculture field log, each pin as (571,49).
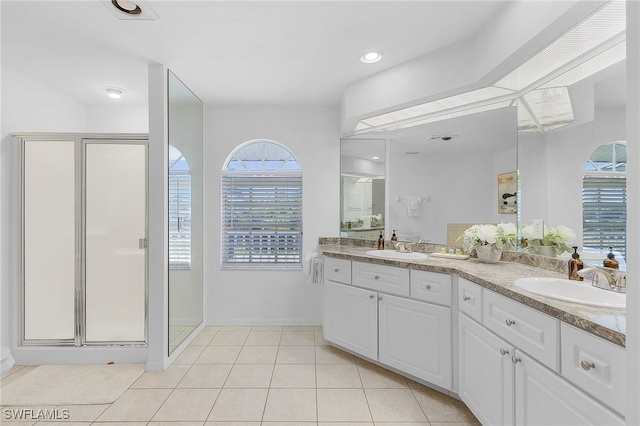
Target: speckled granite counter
(607,323)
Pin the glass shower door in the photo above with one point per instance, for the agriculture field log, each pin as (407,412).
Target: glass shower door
(115,242)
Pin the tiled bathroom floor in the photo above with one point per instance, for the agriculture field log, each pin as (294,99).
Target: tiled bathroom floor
(269,376)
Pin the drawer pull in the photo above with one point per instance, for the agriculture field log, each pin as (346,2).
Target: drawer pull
(515,359)
(371,296)
(503,351)
(428,287)
(466,298)
(379,297)
(336,270)
(377,277)
(510,322)
(587,365)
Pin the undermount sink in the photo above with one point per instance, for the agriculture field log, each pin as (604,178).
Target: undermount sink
(581,292)
(391,254)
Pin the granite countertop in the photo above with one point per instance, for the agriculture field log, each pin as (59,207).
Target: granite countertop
(608,323)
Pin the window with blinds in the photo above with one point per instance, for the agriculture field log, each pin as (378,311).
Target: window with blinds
(604,198)
(179,211)
(604,213)
(261,208)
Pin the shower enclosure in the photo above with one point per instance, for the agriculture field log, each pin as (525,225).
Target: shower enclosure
(84,238)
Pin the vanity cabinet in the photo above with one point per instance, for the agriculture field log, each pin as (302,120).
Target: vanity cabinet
(409,335)
(415,337)
(350,318)
(485,373)
(595,366)
(545,398)
(509,365)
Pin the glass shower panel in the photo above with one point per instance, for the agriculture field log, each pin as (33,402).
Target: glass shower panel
(115,215)
(49,243)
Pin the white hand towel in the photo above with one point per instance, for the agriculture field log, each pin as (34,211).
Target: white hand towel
(413,206)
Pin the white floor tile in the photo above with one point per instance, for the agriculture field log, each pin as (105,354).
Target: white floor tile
(292,405)
(187,405)
(239,405)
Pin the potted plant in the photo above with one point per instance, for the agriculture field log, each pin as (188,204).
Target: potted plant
(556,240)
(488,240)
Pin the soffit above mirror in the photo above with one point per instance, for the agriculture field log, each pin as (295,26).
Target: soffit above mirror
(541,83)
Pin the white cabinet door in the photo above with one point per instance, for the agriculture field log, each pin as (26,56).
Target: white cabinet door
(485,373)
(415,337)
(544,398)
(350,318)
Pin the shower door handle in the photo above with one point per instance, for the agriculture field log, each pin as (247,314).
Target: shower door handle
(143,243)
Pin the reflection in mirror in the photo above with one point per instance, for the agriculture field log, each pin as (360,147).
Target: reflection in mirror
(559,170)
(446,173)
(362,188)
(185,211)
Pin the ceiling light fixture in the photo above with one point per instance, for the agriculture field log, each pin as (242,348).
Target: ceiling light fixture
(371,57)
(114,92)
(375,158)
(127,7)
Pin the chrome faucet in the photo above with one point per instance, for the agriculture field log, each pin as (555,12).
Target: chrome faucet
(612,279)
(404,247)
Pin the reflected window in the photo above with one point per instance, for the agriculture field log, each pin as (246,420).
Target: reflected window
(604,198)
(261,208)
(179,210)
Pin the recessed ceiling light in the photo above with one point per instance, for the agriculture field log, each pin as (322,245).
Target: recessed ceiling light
(127,6)
(375,158)
(114,92)
(371,57)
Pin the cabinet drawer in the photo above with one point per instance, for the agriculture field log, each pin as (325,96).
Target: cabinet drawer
(431,287)
(595,365)
(338,270)
(387,279)
(470,299)
(527,329)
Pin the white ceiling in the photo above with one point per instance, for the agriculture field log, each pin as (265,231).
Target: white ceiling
(229,52)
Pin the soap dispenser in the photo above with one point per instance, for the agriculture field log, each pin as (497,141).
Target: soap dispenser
(610,261)
(393,237)
(381,242)
(575,264)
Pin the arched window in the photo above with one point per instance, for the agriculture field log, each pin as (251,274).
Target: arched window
(261,207)
(604,198)
(179,210)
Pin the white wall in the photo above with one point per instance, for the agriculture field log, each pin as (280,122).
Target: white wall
(271,297)
(118,118)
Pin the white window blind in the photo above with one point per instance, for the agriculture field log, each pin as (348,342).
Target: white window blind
(261,220)
(604,207)
(261,208)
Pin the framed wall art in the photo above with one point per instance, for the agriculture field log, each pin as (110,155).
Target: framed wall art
(507,193)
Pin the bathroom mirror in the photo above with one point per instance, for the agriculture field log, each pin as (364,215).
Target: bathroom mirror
(443,173)
(186,309)
(447,172)
(551,164)
(362,188)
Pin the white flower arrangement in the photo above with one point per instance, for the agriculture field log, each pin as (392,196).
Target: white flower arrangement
(501,236)
(559,238)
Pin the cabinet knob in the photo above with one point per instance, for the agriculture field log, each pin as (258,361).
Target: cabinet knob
(379,297)
(466,298)
(587,365)
(336,270)
(510,322)
(515,359)
(377,277)
(428,287)
(371,296)
(503,351)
